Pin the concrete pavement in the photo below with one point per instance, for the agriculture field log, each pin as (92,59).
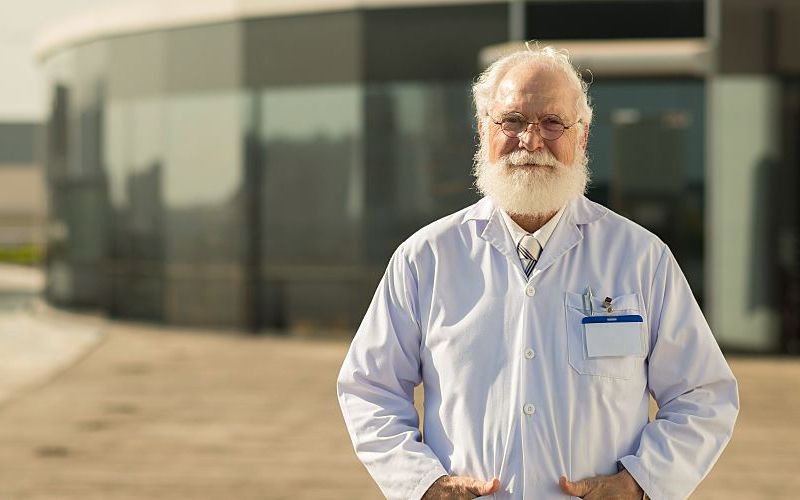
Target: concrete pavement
(36,341)
(181,414)
(164,413)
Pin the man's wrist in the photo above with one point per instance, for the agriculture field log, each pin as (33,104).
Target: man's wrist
(621,468)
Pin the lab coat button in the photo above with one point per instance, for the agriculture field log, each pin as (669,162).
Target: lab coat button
(529,354)
(529,409)
(530,291)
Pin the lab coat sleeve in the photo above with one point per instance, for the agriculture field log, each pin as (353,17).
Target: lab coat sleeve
(376,389)
(695,390)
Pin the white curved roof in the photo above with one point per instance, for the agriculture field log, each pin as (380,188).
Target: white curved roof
(625,57)
(133,16)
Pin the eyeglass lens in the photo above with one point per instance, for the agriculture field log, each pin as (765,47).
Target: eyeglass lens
(550,127)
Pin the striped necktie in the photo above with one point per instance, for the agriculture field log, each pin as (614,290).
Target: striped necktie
(528,249)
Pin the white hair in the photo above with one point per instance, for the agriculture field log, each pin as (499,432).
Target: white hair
(484,88)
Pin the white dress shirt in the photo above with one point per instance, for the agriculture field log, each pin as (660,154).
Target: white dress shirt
(509,390)
(542,234)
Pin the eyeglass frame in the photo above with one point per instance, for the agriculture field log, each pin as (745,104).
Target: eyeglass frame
(535,124)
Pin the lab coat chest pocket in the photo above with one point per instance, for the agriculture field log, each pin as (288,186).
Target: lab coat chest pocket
(617,367)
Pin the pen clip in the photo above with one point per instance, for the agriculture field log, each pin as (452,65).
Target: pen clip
(587,301)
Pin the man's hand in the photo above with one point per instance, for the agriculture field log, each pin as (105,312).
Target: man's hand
(620,486)
(460,487)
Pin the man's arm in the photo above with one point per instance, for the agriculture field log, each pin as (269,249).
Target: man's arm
(376,389)
(694,387)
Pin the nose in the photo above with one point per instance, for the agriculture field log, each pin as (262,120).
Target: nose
(530,139)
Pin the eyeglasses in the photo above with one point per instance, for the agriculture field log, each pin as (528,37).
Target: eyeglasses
(550,127)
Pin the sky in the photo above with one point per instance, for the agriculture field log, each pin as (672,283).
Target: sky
(22,85)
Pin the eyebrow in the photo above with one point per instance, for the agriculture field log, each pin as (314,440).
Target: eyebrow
(514,112)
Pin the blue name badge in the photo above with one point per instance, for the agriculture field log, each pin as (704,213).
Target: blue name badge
(614,335)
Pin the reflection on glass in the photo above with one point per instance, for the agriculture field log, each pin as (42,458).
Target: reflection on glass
(419,147)
(188,197)
(77,195)
(312,202)
(134,152)
(202,191)
(312,180)
(204,148)
(647,161)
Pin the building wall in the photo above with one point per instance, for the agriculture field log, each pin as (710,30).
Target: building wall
(745,144)
(22,193)
(259,173)
(753,231)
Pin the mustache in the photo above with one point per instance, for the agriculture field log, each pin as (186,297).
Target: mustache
(524,157)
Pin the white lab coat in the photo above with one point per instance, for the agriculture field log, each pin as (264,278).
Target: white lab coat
(509,390)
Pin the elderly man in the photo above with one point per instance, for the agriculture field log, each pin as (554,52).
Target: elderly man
(539,323)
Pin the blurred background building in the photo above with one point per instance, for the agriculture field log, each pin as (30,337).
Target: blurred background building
(254,163)
(22,193)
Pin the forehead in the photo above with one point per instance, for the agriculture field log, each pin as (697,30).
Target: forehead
(534,90)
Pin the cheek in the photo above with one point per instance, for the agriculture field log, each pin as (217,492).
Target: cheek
(499,145)
(563,155)
(564,151)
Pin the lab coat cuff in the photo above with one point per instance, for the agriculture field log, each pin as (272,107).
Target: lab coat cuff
(634,467)
(426,481)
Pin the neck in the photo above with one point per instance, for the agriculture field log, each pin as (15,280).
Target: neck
(531,223)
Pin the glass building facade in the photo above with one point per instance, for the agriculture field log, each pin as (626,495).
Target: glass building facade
(257,173)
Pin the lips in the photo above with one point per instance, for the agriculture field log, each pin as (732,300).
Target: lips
(530,165)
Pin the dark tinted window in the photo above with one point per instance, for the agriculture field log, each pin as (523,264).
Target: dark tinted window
(617,19)
(18,142)
(430,42)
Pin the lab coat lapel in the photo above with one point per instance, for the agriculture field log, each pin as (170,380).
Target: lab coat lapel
(497,234)
(491,228)
(565,236)
(568,233)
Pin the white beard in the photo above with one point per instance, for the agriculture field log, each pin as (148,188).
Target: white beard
(526,190)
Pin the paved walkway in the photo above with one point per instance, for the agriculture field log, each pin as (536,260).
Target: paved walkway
(36,341)
(155,413)
(176,414)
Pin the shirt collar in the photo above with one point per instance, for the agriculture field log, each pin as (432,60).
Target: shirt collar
(542,234)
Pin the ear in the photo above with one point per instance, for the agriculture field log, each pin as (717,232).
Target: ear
(585,139)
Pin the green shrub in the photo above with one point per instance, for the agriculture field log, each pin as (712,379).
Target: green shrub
(21,254)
